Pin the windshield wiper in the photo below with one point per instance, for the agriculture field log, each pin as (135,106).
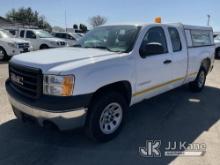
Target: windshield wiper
(102,47)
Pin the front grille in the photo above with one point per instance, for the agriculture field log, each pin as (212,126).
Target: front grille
(26,80)
(23,45)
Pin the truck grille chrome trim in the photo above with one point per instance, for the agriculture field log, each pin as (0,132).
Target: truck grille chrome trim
(26,81)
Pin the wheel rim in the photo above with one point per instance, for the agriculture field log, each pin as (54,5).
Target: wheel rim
(201,79)
(111,118)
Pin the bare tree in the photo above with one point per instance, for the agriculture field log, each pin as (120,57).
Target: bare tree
(97,20)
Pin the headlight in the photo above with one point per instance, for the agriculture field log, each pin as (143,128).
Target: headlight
(58,85)
(13,45)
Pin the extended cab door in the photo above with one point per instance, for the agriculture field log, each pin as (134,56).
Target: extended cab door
(156,65)
(179,54)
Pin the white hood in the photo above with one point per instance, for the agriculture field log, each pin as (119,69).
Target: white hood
(53,39)
(14,40)
(49,59)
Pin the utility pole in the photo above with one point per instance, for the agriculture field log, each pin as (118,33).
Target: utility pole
(65,20)
(208,21)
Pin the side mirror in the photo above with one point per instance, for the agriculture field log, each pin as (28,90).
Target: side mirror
(151,49)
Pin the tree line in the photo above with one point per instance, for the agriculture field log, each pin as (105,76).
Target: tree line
(29,17)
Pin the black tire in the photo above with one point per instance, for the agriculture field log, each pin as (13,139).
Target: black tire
(5,56)
(93,124)
(199,83)
(217,54)
(44,47)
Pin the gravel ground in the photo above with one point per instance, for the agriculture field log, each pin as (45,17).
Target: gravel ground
(178,115)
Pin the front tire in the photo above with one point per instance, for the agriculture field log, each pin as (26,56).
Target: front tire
(3,54)
(106,117)
(44,47)
(199,83)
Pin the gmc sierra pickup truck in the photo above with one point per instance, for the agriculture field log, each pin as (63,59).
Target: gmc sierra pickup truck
(92,84)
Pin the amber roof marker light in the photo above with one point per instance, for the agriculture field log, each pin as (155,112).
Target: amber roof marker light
(158,20)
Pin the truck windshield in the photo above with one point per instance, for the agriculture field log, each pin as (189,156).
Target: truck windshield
(112,38)
(5,34)
(43,34)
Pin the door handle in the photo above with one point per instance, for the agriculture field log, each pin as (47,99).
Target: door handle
(167,61)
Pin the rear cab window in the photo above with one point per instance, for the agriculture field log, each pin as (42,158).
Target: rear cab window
(175,39)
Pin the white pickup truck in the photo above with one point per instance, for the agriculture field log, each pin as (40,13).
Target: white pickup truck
(10,46)
(113,67)
(41,39)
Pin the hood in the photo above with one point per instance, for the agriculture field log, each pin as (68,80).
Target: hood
(53,39)
(51,58)
(216,41)
(15,40)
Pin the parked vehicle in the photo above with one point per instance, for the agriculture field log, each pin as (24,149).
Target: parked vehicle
(70,38)
(10,46)
(41,39)
(92,84)
(217,49)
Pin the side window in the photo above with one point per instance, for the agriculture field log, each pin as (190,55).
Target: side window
(61,35)
(201,38)
(58,35)
(22,33)
(70,37)
(175,39)
(30,34)
(154,42)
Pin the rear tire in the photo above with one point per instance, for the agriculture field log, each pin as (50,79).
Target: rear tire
(106,117)
(199,83)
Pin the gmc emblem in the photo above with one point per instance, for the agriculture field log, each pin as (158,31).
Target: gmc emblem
(16,79)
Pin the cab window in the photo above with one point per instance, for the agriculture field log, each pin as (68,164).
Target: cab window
(69,37)
(60,35)
(175,39)
(22,33)
(30,34)
(154,42)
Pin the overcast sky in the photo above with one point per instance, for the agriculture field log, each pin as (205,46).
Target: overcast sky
(184,11)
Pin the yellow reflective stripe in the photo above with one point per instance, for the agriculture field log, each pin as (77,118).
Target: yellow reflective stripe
(193,74)
(161,85)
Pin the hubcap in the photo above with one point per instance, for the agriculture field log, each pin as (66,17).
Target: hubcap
(111,118)
(201,79)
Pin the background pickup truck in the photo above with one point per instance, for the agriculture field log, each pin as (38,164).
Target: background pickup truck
(113,67)
(41,39)
(10,46)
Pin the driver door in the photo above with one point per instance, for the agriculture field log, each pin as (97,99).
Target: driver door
(32,38)
(154,69)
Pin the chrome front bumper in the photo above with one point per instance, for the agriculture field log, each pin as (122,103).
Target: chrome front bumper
(67,120)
